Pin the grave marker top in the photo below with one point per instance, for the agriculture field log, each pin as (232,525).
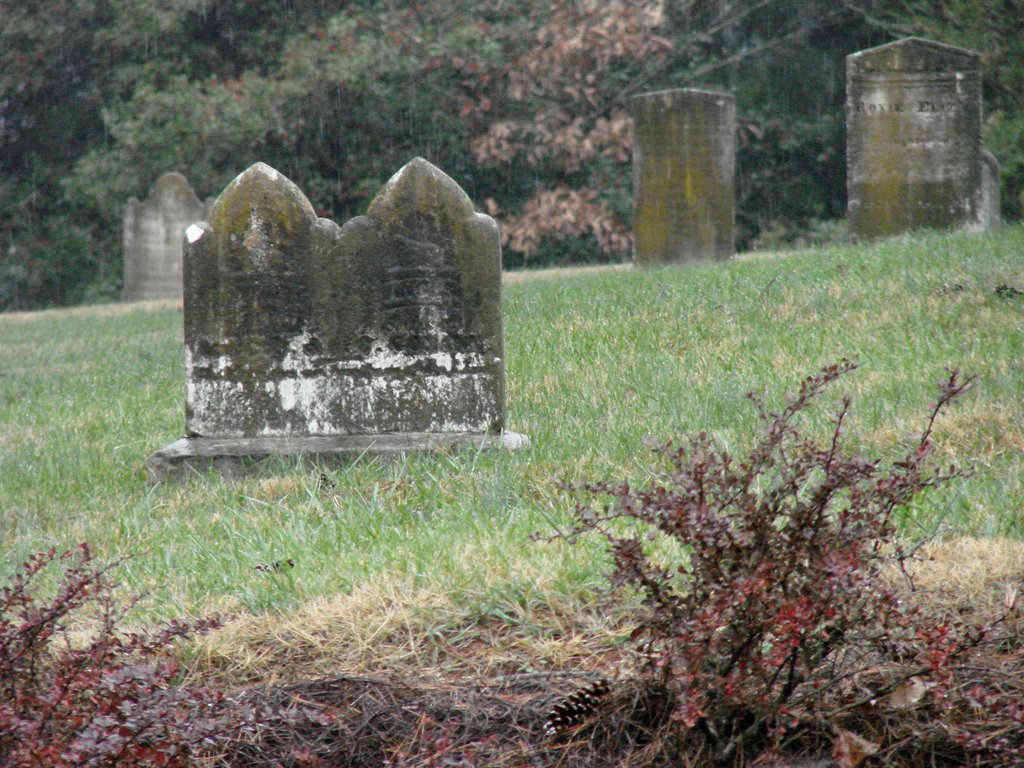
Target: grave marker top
(915,54)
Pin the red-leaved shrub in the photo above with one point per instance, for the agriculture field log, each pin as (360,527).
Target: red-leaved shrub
(765,606)
(109,701)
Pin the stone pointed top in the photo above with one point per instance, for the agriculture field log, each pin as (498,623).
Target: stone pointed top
(171,182)
(264,193)
(913,53)
(258,168)
(420,191)
(168,187)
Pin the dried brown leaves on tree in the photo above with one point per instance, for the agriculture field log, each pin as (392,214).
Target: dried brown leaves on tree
(566,95)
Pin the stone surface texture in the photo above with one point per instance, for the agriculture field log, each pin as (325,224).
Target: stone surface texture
(684,167)
(391,323)
(153,234)
(913,127)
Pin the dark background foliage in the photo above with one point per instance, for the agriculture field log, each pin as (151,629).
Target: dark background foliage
(524,103)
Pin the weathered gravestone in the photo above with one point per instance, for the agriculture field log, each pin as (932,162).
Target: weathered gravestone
(991,199)
(303,338)
(153,232)
(684,167)
(913,133)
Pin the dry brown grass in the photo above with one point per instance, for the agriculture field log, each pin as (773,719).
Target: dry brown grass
(969,575)
(376,631)
(363,678)
(373,632)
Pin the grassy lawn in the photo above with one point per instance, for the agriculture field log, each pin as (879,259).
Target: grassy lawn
(416,556)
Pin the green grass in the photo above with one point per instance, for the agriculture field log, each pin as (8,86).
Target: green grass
(598,362)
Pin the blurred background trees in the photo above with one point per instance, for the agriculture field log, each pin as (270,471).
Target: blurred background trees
(525,103)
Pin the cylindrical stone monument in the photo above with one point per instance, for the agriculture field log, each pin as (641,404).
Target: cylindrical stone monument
(913,138)
(684,168)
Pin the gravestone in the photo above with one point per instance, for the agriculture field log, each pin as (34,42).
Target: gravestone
(153,232)
(990,216)
(303,338)
(913,132)
(684,167)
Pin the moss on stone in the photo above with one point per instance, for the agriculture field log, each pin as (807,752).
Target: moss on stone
(261,192)
(683,174)
(393,322)
(913,137)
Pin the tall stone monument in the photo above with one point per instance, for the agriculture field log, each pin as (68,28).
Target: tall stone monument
(913,131)
(153,233)
(303,338)
(684,167)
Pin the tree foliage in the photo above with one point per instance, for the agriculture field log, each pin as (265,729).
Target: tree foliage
(525,103)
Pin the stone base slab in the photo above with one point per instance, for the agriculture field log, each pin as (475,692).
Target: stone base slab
(237,456)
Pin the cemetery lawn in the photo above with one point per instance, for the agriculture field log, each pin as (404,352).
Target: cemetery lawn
(429,563)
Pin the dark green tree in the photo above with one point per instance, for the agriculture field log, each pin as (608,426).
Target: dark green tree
(69,69)
(525,103)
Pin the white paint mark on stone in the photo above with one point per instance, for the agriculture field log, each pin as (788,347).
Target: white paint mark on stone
(270,173)
(296,358)
(194,232)
(387,359)
(442,360)
(374,403)
(286,391)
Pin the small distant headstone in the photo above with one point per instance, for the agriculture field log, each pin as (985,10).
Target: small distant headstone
(303,338)
(684,167)
(913,132)
(991,200)
(153,232)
